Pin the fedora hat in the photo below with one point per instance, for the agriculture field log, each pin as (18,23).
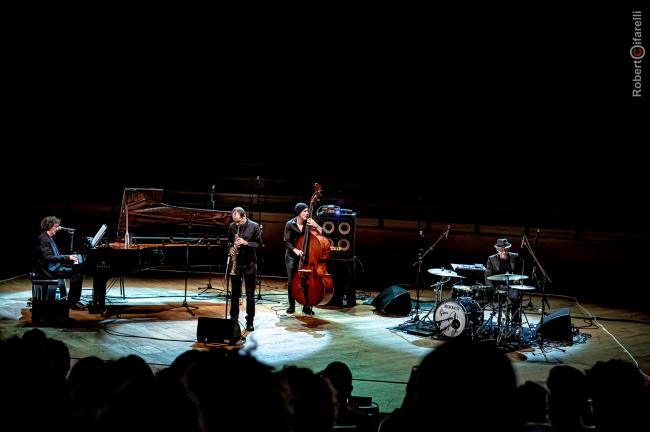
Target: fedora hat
(502,243)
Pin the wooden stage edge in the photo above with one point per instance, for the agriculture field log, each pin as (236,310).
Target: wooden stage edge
(152,322)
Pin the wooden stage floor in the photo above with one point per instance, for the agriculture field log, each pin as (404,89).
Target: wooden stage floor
(153,323)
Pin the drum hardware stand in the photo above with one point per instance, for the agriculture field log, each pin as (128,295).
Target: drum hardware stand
(438,290)
(494,310)
(502,322)
(502,328)
(514,331)
(419,279)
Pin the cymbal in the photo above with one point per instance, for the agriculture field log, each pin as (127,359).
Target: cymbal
(444,273)
(507,277)
(523,287)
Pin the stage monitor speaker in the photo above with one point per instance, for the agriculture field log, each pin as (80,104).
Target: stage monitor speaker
(218,330)
(340,230)
(393,301)
(50,312)
(556,326)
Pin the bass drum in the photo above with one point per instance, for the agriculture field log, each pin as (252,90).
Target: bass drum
(461,317)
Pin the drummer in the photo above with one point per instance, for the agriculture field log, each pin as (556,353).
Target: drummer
(502,262)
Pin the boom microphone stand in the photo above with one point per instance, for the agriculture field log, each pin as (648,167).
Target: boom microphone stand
(542,283)
(533,276)
(419,279)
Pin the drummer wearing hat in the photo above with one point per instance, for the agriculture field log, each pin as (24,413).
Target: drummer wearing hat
(503,262)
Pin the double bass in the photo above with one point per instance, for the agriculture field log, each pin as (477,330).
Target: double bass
(312,285)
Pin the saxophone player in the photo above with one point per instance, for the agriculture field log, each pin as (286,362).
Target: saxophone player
(244,237)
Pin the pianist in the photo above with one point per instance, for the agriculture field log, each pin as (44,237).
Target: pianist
(52,265)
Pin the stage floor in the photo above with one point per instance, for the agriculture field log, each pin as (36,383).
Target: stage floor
(153,322)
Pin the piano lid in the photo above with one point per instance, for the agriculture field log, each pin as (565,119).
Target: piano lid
(143,212)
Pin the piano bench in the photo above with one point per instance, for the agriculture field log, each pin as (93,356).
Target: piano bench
(45,308)
(44,289)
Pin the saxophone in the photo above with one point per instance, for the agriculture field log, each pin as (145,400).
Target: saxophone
(233,253)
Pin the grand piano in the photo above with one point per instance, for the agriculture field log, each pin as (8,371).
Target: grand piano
(152,233)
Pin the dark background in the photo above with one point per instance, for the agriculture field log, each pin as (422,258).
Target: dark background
(487,117)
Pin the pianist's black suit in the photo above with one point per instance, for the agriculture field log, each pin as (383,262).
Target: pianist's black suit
(51,264)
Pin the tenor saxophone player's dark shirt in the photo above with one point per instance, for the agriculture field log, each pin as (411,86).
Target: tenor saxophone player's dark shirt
(249,231)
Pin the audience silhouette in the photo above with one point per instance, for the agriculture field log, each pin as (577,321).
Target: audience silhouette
(460,384)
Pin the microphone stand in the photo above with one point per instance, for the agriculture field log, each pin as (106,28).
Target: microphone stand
(533,276)
(209,285)
(71,240)
(542,282)
(418,278)
(227,276)
(187,265)
(260,264)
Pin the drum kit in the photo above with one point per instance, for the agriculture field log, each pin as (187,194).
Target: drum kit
(463,314)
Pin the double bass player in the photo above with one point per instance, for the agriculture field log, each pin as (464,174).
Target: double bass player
(293,230)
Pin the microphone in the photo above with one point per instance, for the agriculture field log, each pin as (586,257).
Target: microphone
(447,232)
(70,230)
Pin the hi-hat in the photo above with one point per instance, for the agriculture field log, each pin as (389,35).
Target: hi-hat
(444,273)
(523,287)
(507,277)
